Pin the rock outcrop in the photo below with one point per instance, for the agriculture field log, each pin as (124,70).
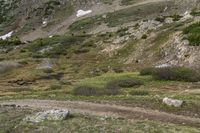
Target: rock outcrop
(54,114)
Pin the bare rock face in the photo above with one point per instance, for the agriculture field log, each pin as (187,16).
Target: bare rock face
(172,102)
(48,115)
(178,52)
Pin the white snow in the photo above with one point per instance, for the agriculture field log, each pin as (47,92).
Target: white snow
(163,66)
(81,13)
(44,22)
(8,35)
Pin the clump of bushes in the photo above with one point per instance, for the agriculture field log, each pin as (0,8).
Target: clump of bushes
(81,51)
(55,86)
(176,74)
(13,41)
(193,34)
(160,19)
(87,91)
(127,83)
(111,88)
(173,74)
(147,71)
(176,17)
(56,46)
(144,36)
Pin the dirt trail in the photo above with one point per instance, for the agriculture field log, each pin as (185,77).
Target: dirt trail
(108,110)
(62,27)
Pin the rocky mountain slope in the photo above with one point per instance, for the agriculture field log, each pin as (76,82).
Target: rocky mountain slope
(133,53)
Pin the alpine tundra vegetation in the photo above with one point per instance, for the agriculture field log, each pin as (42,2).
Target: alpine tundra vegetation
(100,66)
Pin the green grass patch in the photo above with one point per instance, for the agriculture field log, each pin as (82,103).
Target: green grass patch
(193,34)
(56,46)
(12,122)
(139,92)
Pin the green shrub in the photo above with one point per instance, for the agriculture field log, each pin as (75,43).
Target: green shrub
(195,12)
(58,45)
(55,87)
(81,51)
(125,83)
(112,88)
(144,36)
(129,82)
(139,93)
(176,17)
(87,91)
(193,32)
(160,19)
(147,71)
(48,70)
(176,74)
(118,70)
(13,41)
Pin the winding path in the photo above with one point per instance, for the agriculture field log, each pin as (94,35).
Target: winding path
(106,109)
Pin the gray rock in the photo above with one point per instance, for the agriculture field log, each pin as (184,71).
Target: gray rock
(54,114)
(172,102)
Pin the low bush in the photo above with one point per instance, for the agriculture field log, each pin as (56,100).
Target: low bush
(193,34)
(160,19)
(13,41)
(147,71)
(176,74)
(118,70)
(81,51)
(55,87)
(112,88)
(125,83)
(129,82)
(58,45)
(139,93)
(144,36)
(87,91)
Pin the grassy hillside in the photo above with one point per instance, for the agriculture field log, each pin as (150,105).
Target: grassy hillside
(134,54)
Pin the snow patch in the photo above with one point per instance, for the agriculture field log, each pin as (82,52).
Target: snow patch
(81,13)
(44,22)
(8,35)
(163,66)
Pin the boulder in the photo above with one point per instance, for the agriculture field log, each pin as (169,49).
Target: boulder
(172,102)
(55,114)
